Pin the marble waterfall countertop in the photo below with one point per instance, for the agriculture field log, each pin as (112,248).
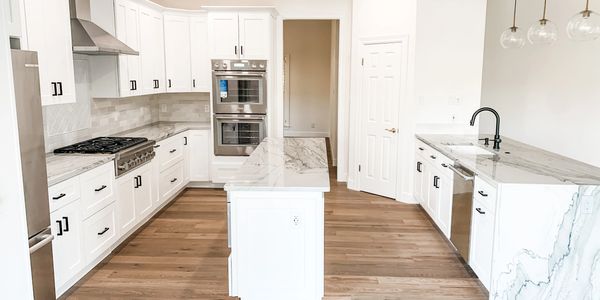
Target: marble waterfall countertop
(284,164)
(515,162)
(61,167)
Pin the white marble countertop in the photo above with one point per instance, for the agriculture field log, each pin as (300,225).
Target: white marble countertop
(515,162)
(65,166)
(284,164)
(61,167)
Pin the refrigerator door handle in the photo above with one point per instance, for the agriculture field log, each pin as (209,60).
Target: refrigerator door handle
(46,239)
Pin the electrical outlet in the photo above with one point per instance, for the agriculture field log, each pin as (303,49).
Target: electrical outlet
(206,108)
(587,204)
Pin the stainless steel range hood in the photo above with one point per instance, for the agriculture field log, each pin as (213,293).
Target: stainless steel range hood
(89,38)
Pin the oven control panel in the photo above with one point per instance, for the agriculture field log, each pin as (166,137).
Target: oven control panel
(239,65)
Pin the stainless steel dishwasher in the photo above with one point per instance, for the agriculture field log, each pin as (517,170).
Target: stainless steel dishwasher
(462,204)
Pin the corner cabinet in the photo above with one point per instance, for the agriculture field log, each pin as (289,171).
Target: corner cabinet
(240,35)
(49,33)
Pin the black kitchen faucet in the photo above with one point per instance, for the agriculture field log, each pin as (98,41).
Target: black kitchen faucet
(497,139)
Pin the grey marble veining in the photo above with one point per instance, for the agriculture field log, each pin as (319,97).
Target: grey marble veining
(284,164)
(516,162)
(162,130)
(65,166)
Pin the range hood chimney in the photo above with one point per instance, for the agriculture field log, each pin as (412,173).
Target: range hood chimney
(89,38)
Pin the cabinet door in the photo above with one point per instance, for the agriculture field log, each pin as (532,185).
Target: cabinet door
(445,204)
(201,69)
(482,238)
(419,169)
(49,33)
(223,35)
(199,155)
(177,53)
(13,16)
(126,210)
(67,247)
(159,53)
(143,193)
(133,41)
(434,194)
(148,51)
(255,35)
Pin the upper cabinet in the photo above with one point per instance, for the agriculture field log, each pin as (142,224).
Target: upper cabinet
(244,35)
(128,31)
(12,13)
(49,33)
(178,53)
(201,69)
(152,55)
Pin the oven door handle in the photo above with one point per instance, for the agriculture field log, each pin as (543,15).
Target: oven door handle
(239,74)
(238,119)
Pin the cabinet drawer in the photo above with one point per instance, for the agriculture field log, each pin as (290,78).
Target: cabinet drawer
(170,151)
(422,148)
(171,181)
(64,193)
(97,189)
(485,193)
(99,232)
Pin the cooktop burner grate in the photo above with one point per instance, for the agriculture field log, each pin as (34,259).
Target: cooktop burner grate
(102,145)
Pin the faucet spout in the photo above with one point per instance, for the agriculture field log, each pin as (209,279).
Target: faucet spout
(497,139)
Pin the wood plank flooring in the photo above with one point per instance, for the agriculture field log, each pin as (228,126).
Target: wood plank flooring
(375,248)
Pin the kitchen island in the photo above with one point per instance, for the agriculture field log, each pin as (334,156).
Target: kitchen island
(276,221)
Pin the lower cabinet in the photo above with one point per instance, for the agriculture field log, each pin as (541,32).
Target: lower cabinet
(67,247)
(99,233)
(136,197)
(171,181)
(482,233)
(198,153)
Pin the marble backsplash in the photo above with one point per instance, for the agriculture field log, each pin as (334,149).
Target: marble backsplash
(71,123)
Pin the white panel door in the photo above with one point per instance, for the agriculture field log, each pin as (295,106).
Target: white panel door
(199,49)
(177,54)
(67,247)
(255,35)
(223,35)
(381,85)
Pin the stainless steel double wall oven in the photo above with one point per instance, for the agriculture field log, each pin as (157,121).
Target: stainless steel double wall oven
(239,105)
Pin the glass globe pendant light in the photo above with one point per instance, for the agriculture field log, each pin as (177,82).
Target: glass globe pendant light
(542,32)
(584,26)
(512,37)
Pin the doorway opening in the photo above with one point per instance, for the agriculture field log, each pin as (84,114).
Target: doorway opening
(311,55)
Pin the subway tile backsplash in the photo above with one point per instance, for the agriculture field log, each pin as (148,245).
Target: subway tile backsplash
(71,123)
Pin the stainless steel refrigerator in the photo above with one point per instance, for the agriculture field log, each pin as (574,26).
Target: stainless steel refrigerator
(33,164)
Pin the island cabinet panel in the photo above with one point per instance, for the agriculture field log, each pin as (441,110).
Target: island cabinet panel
(277,245)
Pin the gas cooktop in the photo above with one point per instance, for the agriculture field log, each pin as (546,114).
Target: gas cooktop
(102,145)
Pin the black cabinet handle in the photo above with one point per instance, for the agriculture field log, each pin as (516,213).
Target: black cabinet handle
(173,151)
(66,219)
(169,83)
(419,167)
(480,211)
(482,193)
(156,146)
(174,179)
(54,89)
(141,183)
(135,85)
(62,195)
(185,141)
(235,50)
(242,50)
(60,228)
(444,165)
(435,182)
(60,90)
(100,188)
(194,83)
(421,148)
(131,85)
(433,156)
(103,231)
(136,182)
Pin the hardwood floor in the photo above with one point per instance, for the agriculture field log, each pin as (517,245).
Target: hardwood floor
(375,248)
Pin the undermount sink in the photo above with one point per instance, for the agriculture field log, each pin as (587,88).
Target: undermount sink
(470,150)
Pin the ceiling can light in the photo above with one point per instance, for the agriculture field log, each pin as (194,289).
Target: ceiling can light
(584,26)
(543,32)
(512,37)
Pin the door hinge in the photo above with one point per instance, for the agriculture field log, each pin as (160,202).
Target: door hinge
(359,168)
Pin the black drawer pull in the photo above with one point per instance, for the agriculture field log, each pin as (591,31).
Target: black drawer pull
(421,148)
(185,142)
(60,90)
(174,179)
(432,156)
(169,83)
(54,89)
(480,211)
(419,167)
(482,194)
(101,188)
(173,151)
(103,231)
(156,146)
(62,195)
(66,224)
(444,165)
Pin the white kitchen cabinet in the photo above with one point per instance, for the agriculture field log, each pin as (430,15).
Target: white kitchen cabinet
(242,35)
(444,219)
(152,52)
(128,31)
(420,180)
(482,240)
(171,181)
(67,247)
(200,61)
(49,33)
(136,198)
(177,53)
(198,151)
(12,12)
(99,233)
(144,198)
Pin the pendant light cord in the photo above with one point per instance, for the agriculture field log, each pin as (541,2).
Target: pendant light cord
(515,15)
(545,5)
(587,5)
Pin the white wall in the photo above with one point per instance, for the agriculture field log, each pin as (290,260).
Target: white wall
(546,96)
(449,62)
(307,46)
(15,272)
